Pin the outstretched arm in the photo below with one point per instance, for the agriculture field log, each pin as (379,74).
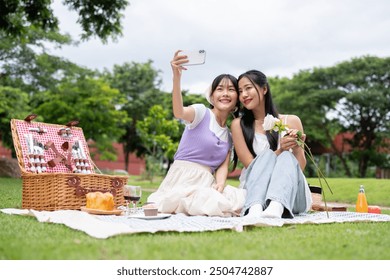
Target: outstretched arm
(179,111)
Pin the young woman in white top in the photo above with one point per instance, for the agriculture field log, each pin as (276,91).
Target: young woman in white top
(273,174)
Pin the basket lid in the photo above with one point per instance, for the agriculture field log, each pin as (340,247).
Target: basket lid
(49,148)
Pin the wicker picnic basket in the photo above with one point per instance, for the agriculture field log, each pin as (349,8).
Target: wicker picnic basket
(319,205)
(316,195)
(55,182)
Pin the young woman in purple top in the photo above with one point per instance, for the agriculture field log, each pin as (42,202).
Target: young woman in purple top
(196,182)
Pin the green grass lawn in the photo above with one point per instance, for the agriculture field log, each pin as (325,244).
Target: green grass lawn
(23,238)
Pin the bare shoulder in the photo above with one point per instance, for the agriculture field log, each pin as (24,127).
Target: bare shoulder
(293,118)
(292,121)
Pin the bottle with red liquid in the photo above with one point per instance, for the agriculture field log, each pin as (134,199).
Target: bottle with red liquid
(361,203)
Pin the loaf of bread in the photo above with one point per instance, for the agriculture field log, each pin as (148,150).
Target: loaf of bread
(100,201)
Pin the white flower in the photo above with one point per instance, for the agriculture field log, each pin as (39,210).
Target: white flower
(269,122)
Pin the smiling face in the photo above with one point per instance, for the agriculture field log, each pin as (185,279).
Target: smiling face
(225,96)
(251,96)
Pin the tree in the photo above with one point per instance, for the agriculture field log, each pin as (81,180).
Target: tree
(351,96)
(310,95)
(99,18)
(13,105)
(93,103)
(157,133)
(365,108)
(26,65)
(27,72)
(138,84)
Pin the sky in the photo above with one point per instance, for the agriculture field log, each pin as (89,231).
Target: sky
(277,37)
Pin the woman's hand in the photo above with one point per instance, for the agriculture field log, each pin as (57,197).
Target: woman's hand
(297,134)
(177,63)
(289,141)
(219,187)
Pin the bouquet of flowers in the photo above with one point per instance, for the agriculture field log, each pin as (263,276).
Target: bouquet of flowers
(275,124)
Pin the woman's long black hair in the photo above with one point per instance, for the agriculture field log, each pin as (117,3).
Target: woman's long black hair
(258,79)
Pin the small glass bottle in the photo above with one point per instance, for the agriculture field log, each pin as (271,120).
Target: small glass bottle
(361,203)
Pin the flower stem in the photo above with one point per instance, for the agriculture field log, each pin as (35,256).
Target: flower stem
(320,175)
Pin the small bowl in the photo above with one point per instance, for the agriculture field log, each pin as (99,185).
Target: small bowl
(150,211)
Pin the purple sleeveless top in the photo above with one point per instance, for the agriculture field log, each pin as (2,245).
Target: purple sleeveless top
(202,146)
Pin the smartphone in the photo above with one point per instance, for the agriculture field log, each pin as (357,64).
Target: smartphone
(195,57)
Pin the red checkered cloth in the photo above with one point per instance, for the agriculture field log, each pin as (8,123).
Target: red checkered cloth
(75,139)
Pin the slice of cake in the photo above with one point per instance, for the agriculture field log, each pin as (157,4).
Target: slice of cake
(150,209)
(100,201)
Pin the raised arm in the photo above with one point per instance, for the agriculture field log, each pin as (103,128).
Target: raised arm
(180,111)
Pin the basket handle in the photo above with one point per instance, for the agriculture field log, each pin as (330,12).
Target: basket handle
(59,157)
(30,117)
(75,181)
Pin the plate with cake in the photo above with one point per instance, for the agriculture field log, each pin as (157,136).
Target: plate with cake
(150,212)
(159,216)
(99,203)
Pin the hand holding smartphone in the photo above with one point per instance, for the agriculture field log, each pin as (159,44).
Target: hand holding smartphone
(194,57)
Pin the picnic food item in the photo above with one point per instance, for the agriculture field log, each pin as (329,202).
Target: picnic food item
(100,201)
(150,209)
(316,195)
(361,203)
(374,209)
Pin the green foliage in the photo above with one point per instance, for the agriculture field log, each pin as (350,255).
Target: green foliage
(91,101)
(27,65)
(97,18)
(157,132)
(190,98)
(13,105)
(365,111)
(138,84)
(351,96)
(11,47)
(17,15)
(308,96)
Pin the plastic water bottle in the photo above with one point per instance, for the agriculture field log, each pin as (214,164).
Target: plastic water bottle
(361,203)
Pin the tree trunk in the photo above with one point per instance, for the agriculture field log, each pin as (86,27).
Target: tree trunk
(363,167)
(339,154)
(127,155)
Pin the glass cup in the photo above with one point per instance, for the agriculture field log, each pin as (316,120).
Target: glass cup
(133,194)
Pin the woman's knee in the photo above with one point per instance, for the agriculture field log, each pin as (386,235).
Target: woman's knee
(287,156)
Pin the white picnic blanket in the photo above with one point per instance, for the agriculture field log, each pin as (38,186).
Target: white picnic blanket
(104,226)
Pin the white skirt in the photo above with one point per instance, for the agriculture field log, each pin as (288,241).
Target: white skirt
(188,188)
